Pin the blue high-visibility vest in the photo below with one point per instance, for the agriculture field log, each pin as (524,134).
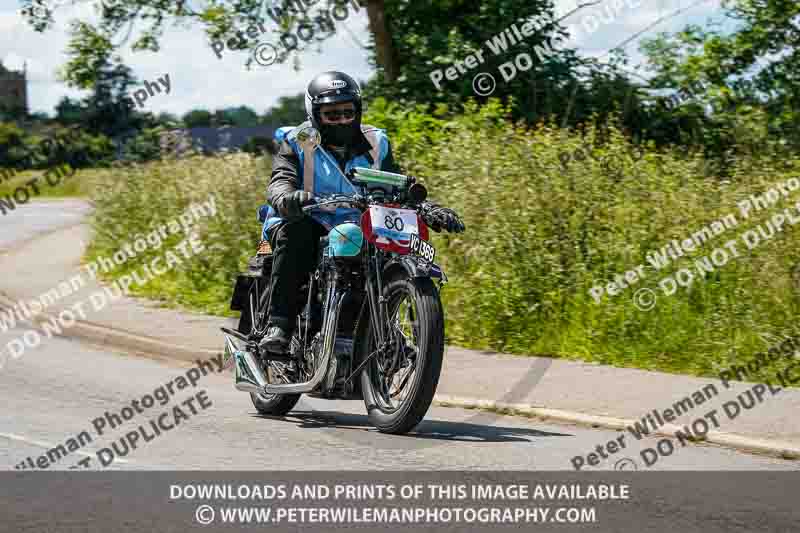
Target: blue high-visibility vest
(280,133)
(325,175)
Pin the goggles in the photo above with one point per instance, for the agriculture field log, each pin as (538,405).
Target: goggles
(338,114)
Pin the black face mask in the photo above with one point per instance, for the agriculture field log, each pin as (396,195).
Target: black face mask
(339,134)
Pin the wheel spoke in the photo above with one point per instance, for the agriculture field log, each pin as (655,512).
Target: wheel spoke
(385,386)
(410,370)
(397,364)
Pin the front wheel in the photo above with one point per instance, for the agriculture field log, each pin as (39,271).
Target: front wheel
(399,381)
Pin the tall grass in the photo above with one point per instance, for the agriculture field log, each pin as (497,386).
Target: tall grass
(66,186)
(541,232)
(134,201)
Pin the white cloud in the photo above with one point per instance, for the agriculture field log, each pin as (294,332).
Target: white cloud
(609,23)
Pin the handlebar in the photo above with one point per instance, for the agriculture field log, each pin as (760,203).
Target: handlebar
(357,201)
(411,191)
(412,195)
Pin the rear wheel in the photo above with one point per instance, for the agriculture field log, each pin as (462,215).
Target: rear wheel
(274,404)
(276,372)
(399,382)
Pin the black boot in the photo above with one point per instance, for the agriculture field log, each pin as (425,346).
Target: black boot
(276,340)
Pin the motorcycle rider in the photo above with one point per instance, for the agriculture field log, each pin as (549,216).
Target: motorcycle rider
(302,169)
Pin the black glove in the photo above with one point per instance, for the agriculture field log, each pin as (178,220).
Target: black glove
(439,218)
(290,205)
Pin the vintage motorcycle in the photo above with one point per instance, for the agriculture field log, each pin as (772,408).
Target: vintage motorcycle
(372,322)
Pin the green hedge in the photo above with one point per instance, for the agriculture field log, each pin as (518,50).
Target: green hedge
(20,150)
(549,213)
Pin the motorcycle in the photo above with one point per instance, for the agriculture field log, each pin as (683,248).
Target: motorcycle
(372,322)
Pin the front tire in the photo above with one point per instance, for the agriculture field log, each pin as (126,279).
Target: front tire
(413,364)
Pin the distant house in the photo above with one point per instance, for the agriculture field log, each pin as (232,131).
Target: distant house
(211,139)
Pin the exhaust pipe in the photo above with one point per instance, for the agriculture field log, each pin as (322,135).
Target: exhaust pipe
(249,375)
(335,300)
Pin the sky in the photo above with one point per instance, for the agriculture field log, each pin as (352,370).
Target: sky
(199,79)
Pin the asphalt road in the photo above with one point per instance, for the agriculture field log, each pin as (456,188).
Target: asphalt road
(34,218)
(55,391)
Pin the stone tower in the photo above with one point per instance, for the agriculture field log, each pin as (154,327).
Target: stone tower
(13,90)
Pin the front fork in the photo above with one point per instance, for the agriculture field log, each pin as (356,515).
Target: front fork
(385,342)
(377,304)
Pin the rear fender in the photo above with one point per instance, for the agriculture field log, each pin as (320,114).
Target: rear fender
(240,292)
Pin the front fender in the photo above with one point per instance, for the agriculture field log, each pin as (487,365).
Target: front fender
(413,268)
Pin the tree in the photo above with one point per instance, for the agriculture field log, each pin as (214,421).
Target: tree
(39,116)
(166,119)
(69,111)
(237,24)
(107,111)
(12,113)
(290,110)
(410,39)
(12,145)
(236,116)
(547,80)
(723,79)
(92,67)
(197,118)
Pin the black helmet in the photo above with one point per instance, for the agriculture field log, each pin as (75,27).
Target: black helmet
(333,88)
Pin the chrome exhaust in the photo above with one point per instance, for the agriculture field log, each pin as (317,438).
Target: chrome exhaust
(249,375)
(335,300)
